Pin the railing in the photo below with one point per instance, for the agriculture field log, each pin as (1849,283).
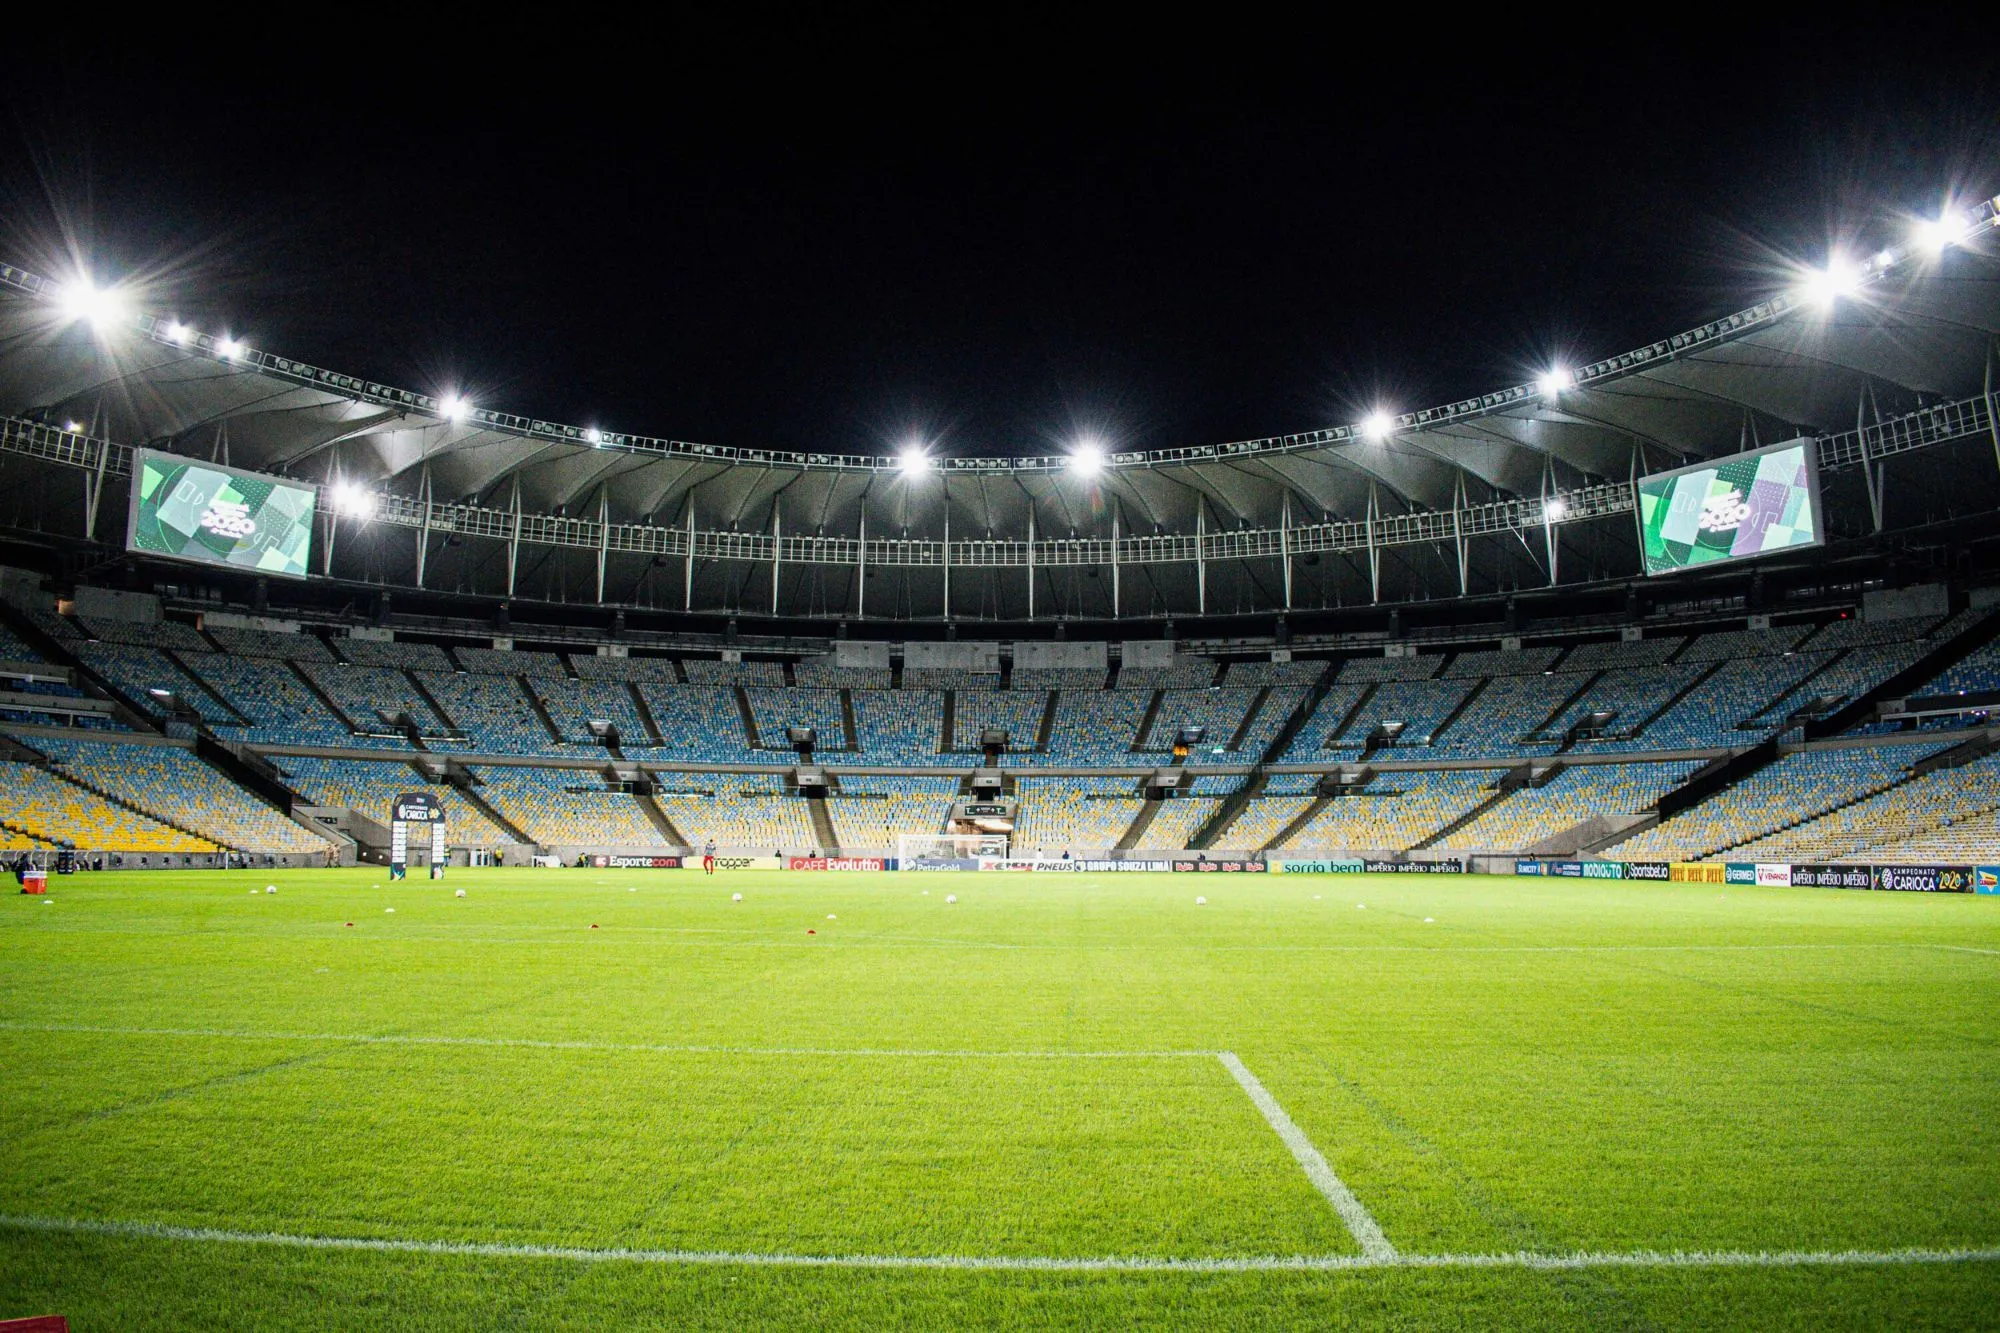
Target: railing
(1938,424)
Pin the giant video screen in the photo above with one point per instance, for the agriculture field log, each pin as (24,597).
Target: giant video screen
(185,509)
(1745,506)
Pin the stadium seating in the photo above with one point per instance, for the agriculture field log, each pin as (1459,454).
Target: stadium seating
(1621,653)
(1525,662)
(747,812)
(1857,633)
(1177,821)
(1728,645)
(510,662)
(899,726)
(1313,741)
(820,672)
(703,671)
(369,788)
(1018,710)
(137,671)
(1421,705)
(12,649)
(264,643)
(1711,713)
(1945,810)
(1261,819)
(1186,673)
(496,717)
(949,678)
(1630,694)
(1094,727)
(573,704)
(1075,814)
(172,634)
(1217,710)
(1530,815)
(1250,675)
(174,786)
(1059,678)
(397,654)
(777,708)
(567,806)
(1853,673)
(1361,670)
(702,724)
(1395,811)
(659,670)
(279,707)
(1795,788)
(1978,672)
(1279,705)
(41,806)
(360,691)
(1506,709)
(869,812)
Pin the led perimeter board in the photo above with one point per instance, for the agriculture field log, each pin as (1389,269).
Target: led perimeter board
(1748,505)
(185,509)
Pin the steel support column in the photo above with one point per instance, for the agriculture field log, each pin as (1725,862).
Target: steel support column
(1200,555)
(424,528)
(514,541)
(603,538)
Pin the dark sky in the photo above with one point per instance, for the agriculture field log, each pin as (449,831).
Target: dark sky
(808,236)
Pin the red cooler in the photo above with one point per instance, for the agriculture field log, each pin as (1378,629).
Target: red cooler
(35,881)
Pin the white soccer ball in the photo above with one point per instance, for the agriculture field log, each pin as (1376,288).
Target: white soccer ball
(735,897)
(270,888)
(831,917)
(951,897)
(1201,902)
(459,894)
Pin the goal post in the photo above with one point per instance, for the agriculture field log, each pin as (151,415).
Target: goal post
(917,848)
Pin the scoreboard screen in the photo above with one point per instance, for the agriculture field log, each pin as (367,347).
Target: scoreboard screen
(1744,506)
(186,509)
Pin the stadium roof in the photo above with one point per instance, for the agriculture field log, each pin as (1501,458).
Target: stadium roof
(1911,329)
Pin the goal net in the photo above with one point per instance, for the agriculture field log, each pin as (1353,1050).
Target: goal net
(917,848)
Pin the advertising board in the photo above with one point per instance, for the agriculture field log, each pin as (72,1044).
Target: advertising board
(1924,879)
(835,863)
(1774,876)
(1353,867)
(1224,867)
(1833,877)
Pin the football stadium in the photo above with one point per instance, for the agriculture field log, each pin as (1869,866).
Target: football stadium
(1531,860)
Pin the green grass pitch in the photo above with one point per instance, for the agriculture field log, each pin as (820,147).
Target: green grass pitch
(1564,1103)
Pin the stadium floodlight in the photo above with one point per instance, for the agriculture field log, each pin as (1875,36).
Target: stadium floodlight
(913,459)
(229,349)
(354,501)
(1938,236)
(1087,459)
(1827,286)
(594,436)
(1378,426)
(1555,380)
(454,408)
(1553,509)
(100,307)
(179,333)
(73,427)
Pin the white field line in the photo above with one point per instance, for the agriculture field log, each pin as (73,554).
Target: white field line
(1018,1263)
(535,1044)
(1366,1231)
(1966,948)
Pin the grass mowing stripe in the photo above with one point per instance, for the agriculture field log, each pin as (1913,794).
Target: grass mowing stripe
(1360,1222)
(532,1043)
(1019,1263)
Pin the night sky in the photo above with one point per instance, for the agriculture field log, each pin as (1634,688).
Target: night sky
(807,236)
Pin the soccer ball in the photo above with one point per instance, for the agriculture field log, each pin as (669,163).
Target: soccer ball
(951,897)
(270,888)
(1201,902)
(830,917)
(735,897)
(459,894)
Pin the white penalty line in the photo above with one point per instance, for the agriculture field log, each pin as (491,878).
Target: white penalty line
(1015,1263)
(1361,1223)
(552,1044)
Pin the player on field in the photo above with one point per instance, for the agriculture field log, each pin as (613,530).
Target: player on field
(708,857)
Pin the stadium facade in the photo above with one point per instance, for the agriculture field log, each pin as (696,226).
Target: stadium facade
(1419,639)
